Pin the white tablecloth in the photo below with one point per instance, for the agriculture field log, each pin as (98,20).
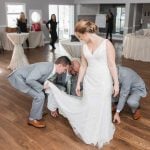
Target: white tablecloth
(72,48)
(36,39)
(137,47)
(18,57)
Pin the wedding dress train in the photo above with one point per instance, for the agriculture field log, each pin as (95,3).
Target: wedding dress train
(90,116)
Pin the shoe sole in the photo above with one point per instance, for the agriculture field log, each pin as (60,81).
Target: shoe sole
(137,118)
(36,126)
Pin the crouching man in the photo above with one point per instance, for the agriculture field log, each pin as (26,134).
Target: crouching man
(132,89)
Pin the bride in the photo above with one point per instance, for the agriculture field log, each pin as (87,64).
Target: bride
(90,115)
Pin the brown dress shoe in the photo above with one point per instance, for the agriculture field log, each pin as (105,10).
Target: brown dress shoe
(137,114)
(37,123)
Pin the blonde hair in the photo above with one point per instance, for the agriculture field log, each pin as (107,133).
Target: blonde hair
(22,17)
(84,26)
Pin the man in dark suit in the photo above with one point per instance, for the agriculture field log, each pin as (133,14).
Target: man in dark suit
(30,80)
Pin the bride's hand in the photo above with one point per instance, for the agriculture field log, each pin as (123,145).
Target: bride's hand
(78,90)
(46,86)
(115,90)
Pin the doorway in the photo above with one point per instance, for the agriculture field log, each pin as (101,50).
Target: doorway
(65,18)
(120,19)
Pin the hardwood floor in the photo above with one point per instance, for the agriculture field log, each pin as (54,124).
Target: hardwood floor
(15,134)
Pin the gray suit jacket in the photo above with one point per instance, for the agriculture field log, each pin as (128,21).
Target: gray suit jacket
(67,83)
(129,82)
(31,76)
(63,82)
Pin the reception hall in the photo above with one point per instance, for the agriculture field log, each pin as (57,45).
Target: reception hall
(28,36)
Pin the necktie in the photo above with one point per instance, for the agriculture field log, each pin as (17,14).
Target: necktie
(52,77)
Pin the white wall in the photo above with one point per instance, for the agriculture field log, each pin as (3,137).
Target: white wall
(134,11)
(80,9)
(31,4)
(87,9)
(109,1)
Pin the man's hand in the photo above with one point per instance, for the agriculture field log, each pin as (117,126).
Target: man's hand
(117,118)
(46,86)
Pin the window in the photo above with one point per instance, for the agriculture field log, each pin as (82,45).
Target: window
(13,12)
(65,18)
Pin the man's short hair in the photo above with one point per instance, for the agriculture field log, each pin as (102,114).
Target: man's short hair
(76,59)
(64,60)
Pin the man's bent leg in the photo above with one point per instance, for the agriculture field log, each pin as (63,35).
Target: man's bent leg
(134,103)
(37,104)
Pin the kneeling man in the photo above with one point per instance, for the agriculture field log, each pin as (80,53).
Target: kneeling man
(132,89)
(30,80)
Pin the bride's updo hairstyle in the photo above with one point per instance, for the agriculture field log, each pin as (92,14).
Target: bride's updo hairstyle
(84,26)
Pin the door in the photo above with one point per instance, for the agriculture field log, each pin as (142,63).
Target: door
(120,19)
(65,18)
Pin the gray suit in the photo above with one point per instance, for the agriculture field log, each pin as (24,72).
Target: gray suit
(29,80)
(63,82)
(132,88)
(66,83)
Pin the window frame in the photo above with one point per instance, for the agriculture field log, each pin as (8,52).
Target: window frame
(13,3)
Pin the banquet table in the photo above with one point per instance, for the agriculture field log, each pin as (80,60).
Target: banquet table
(72,48)
(18,57)
(137,47)
(36,39)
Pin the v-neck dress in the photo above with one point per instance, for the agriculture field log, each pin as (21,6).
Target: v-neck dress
(90,116)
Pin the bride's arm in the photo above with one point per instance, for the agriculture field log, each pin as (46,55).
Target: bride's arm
(112,66)
(82,71)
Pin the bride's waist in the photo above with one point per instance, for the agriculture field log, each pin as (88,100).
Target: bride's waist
(97,68)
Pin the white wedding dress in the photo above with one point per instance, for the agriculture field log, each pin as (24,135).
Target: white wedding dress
(89,116)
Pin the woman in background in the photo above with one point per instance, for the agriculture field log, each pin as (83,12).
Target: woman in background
(22,25)
(52,30)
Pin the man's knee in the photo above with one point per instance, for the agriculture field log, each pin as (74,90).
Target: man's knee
(133,103)
(40,96)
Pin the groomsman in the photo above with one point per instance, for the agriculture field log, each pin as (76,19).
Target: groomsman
(68,80)
(74,71)
(30,80)
(132,89)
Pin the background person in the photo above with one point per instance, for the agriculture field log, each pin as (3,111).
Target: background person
(132,89)
(22,25)
(52,30)
(30,80)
